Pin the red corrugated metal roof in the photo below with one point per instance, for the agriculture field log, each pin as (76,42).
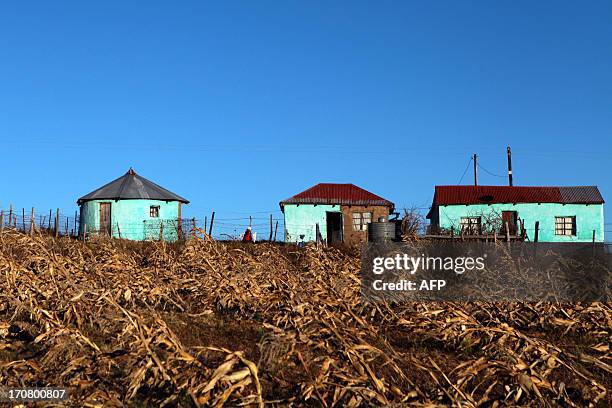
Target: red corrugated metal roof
(448,195)
(331,193)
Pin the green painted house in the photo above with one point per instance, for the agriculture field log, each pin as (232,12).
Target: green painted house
(340,212)
(563,214)
(131,207)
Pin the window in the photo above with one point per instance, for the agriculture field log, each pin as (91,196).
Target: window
(565,225)
(470,225)
(361,220)
(154,211)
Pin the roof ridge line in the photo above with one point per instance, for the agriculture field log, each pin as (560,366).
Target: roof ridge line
(125,180)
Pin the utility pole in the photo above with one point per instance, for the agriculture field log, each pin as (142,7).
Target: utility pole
(509,166)
(475,170)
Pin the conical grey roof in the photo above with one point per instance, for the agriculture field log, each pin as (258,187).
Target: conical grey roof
(131,186)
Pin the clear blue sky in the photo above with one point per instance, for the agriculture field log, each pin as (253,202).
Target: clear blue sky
(237,105)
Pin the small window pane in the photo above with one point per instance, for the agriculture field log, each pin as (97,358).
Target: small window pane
(470,225)
(356,221)
(565,226)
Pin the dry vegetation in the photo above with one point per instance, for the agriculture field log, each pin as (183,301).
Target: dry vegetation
(207,323)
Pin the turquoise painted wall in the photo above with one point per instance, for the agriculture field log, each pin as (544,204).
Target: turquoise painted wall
(131,218)
(588,218)
(302,219)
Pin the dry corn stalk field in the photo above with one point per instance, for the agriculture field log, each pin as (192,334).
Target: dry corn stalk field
(212,324)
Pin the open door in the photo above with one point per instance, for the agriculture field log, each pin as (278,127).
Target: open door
(334,227)
(510,217)
(105,219)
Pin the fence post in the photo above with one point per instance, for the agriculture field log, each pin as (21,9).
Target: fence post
(179,229)
(10,215)
(66,234)
(212,221)
(506,226)
(537,231)
(270,239)
(50,216)
(2,220)
(32,223)
(118,230)
(57,222)
(275,229)
(161,230)
(84,232)
(205,223)
(23,220)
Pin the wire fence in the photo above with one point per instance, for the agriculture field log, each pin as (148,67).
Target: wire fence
(271,227)
(55,222)
(52,222)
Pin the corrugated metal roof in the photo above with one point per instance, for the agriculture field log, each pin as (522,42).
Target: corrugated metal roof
(131,186)
(447,195)
(581,195)
(331,193)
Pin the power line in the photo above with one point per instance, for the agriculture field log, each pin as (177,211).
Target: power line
(465,172)
(262,148)
(490,173)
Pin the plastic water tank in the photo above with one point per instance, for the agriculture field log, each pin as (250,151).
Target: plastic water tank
(382,231)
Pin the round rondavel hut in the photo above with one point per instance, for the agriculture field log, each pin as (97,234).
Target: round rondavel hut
(131,207)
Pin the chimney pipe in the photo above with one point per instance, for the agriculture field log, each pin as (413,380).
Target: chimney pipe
(509,166)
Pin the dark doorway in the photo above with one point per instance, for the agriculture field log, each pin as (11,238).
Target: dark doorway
(511,218)
(105,218)
(334,227)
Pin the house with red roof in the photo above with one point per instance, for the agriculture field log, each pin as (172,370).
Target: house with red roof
(563,214)
(340,213)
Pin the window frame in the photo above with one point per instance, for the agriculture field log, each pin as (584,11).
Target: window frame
(154,211)
(561,225)
(473,225)
(360,221)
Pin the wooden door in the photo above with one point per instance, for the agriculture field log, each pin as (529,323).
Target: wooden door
(510,217)
(105,218)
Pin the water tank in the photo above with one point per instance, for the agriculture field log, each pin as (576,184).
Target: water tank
(382,231)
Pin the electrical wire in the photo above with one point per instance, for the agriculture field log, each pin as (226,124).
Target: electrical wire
(49,143)
(465,172)
(490,173)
